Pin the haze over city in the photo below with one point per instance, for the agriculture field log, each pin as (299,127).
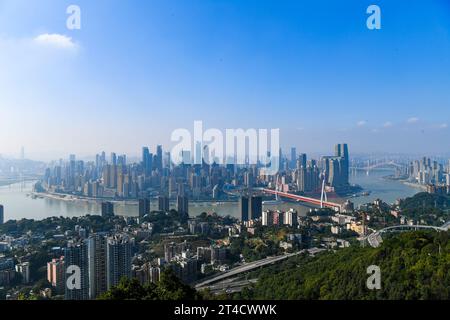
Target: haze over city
(134,73)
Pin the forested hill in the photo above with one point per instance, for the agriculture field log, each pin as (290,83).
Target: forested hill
(426,208)
(413,266)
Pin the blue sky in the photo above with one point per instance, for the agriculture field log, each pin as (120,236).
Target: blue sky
(137,70)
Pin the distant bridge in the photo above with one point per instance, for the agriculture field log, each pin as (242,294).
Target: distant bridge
(375,238)
(381,164)
(327,204)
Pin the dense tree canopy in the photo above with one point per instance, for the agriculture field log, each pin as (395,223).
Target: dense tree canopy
(432,209)
(413,266)
(168,288)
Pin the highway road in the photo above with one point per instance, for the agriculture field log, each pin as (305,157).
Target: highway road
(231,285)
(251,266)
(375,239)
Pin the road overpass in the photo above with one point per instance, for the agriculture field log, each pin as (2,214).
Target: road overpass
(230,285)
(375,239)
(252,266)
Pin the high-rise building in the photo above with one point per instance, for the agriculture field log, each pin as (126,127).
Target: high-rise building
(144,207)
(112,176)
(341,151)
(185,269)
(24,270)
(163,204)
(249,181)
(155,274)
(334,177)
(291,218)
(255,207)
(301,161)
(76,258)
(218,254)
(277,218)
(97,265)
(107,209)
(243,208)
(118,259)
(159,158)
(293,158)
(147,161)
(106,176)
(113,159)
(56,275)
(267,218)
(301,179)
(183,206)
(2,215)
(170,250)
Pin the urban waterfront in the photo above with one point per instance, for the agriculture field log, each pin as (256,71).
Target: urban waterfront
(19,204)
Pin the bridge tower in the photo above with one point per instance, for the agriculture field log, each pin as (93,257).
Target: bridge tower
(323,196)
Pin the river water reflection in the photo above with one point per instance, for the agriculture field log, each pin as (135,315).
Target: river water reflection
(18,204)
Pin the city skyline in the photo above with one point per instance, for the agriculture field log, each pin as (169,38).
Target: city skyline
(315,71)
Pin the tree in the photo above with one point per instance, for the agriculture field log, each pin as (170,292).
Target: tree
(168,288)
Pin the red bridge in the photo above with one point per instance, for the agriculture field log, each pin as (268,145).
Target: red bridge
(320,203)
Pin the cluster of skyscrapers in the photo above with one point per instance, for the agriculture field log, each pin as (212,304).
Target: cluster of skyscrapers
(102,261)
(307,176)
(155,174)
(425,171)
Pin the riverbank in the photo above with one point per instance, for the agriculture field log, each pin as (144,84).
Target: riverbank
(415,185)
(20,202)
(406,182)
(8,182)
(73,198)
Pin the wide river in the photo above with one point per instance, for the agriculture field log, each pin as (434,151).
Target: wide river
(18,204)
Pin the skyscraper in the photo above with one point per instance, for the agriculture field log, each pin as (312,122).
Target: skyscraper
(97,265)
(107,209)
(159,158)
(243,208)
(24,270)
(293,158)
(255,207)
(301,161)
(183,206)
(2,215)
(163,203)
(113,159)
(301,179)
(147,161)
(75,256)
(342,152)
(118,259)
(144,207)
(56,274)
(291,218)
(334,172)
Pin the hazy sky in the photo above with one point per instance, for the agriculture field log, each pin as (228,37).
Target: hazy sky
(137,70)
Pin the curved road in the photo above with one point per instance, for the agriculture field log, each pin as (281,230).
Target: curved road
(375,238)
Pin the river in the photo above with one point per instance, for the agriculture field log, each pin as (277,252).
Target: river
(18,204)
